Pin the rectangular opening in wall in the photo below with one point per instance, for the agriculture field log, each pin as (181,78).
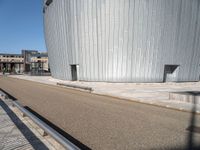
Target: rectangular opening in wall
(74,72)
(171,73)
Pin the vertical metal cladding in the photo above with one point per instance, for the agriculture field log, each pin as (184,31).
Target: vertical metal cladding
(123,40)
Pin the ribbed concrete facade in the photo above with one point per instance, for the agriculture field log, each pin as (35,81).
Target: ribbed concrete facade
(124,40)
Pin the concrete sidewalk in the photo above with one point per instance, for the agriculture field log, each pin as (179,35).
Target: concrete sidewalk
(149,93)
(19,133)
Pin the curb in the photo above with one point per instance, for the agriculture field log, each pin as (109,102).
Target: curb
(149,104)
(76,86)
(116,97)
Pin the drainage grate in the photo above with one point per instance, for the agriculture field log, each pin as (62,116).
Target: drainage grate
(193,129)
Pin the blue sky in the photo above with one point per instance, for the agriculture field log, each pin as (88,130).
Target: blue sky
(21,25)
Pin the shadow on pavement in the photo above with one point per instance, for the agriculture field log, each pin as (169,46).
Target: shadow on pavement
(59,130)
(192,127)
(8,95)
(27,133)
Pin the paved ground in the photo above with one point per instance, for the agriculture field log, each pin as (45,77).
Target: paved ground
(151,93)
(102,122)
(19,133)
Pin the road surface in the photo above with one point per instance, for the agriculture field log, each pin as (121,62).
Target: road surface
(102,122)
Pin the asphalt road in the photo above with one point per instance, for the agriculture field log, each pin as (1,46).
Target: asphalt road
(102,122)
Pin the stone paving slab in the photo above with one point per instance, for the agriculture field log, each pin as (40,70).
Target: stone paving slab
(21,133)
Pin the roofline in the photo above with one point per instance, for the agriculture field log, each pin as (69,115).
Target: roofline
(8,54)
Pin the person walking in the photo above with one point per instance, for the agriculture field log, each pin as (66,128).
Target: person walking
(4,71)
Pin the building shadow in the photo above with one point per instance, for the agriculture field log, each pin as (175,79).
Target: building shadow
(35,142)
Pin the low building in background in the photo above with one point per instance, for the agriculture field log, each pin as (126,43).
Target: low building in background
(29,62)
(27,54)
(35,63)
(39,64)
(12,63)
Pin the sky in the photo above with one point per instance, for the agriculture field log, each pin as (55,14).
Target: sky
(21,26)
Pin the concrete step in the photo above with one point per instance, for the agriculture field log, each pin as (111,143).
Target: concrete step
(188,97)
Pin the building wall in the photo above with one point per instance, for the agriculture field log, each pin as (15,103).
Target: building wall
(123,40)
(43,61)
(12,63)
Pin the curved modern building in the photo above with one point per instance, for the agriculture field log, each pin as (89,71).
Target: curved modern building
(123,40)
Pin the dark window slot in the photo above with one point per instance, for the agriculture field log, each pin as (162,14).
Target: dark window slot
(48,2)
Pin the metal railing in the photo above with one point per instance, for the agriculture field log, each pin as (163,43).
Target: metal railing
(47,129)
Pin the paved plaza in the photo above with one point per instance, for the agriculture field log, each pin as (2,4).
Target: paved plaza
(103,122)
(150,93)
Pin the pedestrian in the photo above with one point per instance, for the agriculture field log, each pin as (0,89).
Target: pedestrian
(4,70)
